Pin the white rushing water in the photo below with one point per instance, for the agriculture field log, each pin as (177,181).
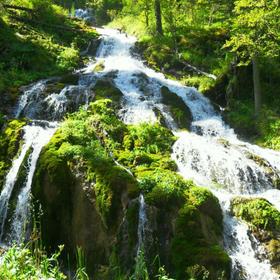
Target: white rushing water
(34,138)
(142,220)
(211,154)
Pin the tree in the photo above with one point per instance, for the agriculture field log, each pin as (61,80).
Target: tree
(159,29)
(255,36)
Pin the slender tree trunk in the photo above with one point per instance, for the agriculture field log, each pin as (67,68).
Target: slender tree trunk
(158,17)
(147,18)
(257,86)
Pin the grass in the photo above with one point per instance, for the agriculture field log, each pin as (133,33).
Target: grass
(20,262)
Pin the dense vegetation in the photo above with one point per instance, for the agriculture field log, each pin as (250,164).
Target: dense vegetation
(38,41)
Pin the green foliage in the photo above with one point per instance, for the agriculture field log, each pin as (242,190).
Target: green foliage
(68,59)
(255,29)
(81,265)
(162,274)
(39,44)
(149,138)
(88,137)
(196,246)
(265,131)
(20,263)
(259,213)
(141,271)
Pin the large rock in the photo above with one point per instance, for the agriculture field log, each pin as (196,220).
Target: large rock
(177,107)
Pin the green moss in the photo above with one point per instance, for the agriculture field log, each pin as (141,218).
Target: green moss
(105,89)
(10,141)
(197,235)
(151,138)
(39,49)
(264,221)
(259,213)
(87,136)
(162,188)
(273,248)
(99,66)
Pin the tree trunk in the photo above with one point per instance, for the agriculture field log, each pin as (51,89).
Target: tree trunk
(158,17)
(147,18)
(257,86)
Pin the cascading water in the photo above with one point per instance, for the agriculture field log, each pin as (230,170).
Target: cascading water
(142,220)
(35,137)
(211,154)
(21,215)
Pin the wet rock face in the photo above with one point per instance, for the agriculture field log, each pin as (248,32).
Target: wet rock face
(177,107)
(71,215)
(105,88)
(52,99)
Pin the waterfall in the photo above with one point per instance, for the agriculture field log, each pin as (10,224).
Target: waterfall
(35,137)
(211,154)
(21,215)
(142,220)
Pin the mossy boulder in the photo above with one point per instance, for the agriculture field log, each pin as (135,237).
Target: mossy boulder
(264,222)
(88,181)
(10,142)
(99,67)
(178,109)
(105,88)
(83,193)
(258,212)
(198,236)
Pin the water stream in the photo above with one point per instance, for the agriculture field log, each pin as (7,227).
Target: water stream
(34,138)
(211,154)
(142,220)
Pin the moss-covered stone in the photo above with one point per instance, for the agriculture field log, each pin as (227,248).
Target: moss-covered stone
(198,236)
(88,180)
(258,212)
(264,221)
(10,141)
(106,89)
(99,66)
(178,109)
